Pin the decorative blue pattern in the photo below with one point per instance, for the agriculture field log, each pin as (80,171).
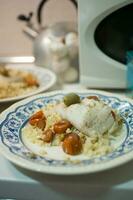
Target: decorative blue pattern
(10,130)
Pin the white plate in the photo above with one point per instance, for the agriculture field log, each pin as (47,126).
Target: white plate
(13,147)
(45,77)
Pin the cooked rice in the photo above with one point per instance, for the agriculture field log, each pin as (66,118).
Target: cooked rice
(92,146)
(12,84)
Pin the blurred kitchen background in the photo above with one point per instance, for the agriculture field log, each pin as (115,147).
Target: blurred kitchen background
(13,42)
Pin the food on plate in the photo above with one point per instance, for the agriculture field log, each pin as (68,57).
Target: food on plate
(72,144)
(38,120)
(61,126)
(76,125)
(71,98)
(16,82)
(48,135)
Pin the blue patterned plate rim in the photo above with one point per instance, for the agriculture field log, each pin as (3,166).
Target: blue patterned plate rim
(15,117)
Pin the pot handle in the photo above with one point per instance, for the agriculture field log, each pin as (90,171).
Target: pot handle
(39,10)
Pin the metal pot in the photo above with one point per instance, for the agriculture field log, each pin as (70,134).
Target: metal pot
(54,46)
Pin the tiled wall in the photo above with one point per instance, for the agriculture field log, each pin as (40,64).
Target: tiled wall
(12,40)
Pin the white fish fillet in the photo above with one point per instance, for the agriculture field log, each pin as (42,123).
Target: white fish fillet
(92,119)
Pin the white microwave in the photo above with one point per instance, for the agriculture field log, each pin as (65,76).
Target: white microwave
(105,40)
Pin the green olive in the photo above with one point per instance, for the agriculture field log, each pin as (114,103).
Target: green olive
(71,98)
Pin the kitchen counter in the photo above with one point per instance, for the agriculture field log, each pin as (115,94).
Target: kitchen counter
(18,183)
